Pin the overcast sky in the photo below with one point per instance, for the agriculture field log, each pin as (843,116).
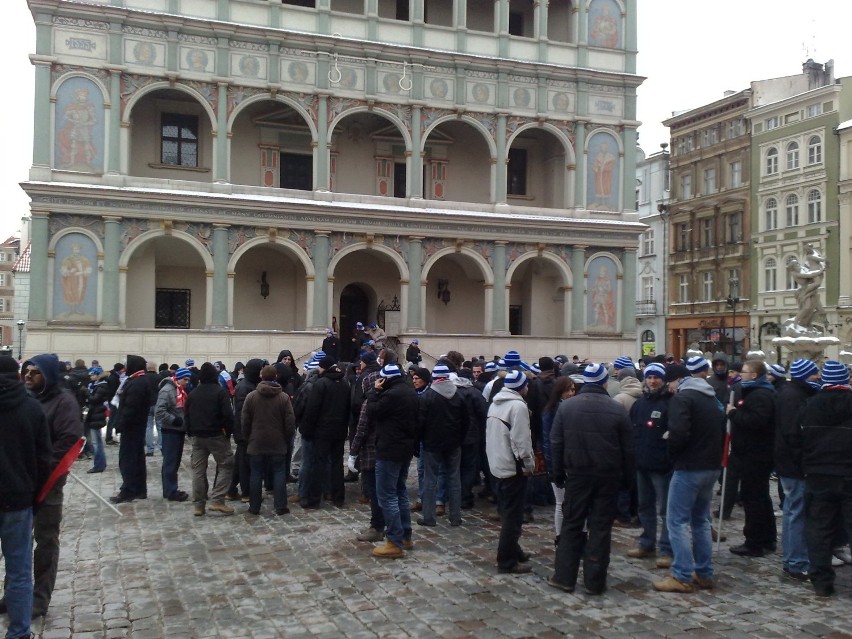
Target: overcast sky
(690,52)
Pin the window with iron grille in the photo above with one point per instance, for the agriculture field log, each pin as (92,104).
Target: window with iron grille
(179,139)
(172,308)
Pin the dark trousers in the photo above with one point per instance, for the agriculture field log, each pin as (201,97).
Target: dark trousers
(327,471)
(261,465)
(759,530)
(172,441)
(510,497)
(828,508)
(468,470)
(242,471)
(131,463)
(46,525)
(590,502)
(368,483)
(732,484)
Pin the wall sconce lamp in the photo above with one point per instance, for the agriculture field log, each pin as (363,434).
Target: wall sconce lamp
(264,286)
(444,291)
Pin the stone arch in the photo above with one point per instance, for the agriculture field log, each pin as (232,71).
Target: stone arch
(292,248)
(484,266)
(71,74)
(144,238)
(156,86)
(51,247)
(561,266)
(277,98)
(610,132)
(618,264)
(395,257)
(570,154)
(393,118)
(451,117)
(618,2)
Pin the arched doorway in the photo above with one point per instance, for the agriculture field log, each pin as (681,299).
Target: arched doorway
(354,306)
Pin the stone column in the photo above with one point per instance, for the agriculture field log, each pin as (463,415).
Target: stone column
(220,276)
(415,284)
(38,265)
(500,311)
(415,164)
(112,253)
(41,116)
(320,317)
(628,298)
(321,177)
(501,161)
(222,171)
(578,295)
(114,122)
(580,167)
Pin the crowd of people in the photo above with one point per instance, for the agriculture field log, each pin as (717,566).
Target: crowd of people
(615,442)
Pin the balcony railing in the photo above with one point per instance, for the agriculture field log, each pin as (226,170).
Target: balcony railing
(646,307)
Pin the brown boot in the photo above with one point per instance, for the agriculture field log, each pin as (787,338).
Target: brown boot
(198,511)
(223,508)
(670,584)
(388,551)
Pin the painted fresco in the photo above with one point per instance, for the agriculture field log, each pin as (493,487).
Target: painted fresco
(79,144)
(605,24)
(75,279)
(603,173)
(601,298)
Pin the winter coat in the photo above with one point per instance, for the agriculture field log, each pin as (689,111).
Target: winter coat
(25,447)
(331,347)
(442,417)
(412,354)
(591,436)
(650,418)
(135,397)
(208,411)
(631,390)
(789,404)
(826,434)
(249,382)
(477,410)
(753,423)
(696,427)
(508,443)
(327,411)
(392,413)
(166,411)
(98,398)
(267,420)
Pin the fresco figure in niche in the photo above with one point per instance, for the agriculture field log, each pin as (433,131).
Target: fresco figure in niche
(298,71)
(601,295)
(75,296)
(197,60)
(603,173)
(605,24)
(79,136)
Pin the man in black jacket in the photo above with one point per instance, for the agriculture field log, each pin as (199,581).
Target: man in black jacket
(325,422)
(134,405)
(209,421)
(696,434)
(391,408)
(592,459)
(25,462)
(242,471)
(752,441)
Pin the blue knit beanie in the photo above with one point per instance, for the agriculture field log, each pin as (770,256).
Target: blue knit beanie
(834,374)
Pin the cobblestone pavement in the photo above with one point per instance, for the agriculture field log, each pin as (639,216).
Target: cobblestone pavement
(160,572)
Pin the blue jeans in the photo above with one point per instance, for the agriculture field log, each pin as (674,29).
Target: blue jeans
(433,462)
(392,495)
(98,450)
(149,434)
(16,541)
(259,465)
(690,494)
(441,495)
(653,488)
(793,540)
(172,441)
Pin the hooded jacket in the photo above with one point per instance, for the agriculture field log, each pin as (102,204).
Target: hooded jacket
(63,417)
(508,443)
(288,374)
(25,448)
(631,390)
(267,420)
(208,411)
(249,382)
(442,417)
(327,410)
(789,402)
(696,426)
(136,397)
(166,411)
(753,422)
(98,398)
(391,413)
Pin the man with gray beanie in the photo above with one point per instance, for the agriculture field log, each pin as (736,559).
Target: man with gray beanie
(592,459)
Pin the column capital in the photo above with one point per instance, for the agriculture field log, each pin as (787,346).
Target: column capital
(416,238)
(580,247)
(501,242)
(112,218)
(39,213)
(217,226)
(322,232)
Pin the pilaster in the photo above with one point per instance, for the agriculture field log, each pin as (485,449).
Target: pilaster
(41,115)
(321,175)
(580,169)
(320,317)
(222,170)
(220,276)
(38,266)
(415,164)
(500,311)
(578,295)
(114,163)
(415,264)
(628,287)
(501,160)
(112,253)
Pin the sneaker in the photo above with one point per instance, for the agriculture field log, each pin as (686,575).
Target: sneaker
(836,561)
(670,584)
(517,569)
(559,585)
(246,499)
(222,507)
(796,576)
(198,511)
(407,544)
(664,561)
(388,551)
(703,583)
(641,553)
(370,534)
(844,554)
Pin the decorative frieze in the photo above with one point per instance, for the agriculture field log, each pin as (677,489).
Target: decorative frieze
(96,25)
(144,32)
(61,221)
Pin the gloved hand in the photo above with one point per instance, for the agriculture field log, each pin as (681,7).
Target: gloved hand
(177,422)
(351,463)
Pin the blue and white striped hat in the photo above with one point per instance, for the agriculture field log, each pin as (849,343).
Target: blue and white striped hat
(489,367)
(623,362)
(515,380)
(534,369)
(512,358)
(390,370)
(441,371)
(696,364)
(501,365)
(318,355)
(776,370)
(189,363)
(655,369)
(834,374)
(183,373)
(595,374)
(801,369)
(311,365)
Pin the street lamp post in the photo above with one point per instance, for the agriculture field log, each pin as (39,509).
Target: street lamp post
(732,301)
(21,324)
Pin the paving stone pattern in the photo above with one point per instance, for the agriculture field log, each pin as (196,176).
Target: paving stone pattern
(159,572)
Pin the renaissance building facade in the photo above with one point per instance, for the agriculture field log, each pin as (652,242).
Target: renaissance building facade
(225,178)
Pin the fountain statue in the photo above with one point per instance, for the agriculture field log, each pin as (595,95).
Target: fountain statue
(802,334)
